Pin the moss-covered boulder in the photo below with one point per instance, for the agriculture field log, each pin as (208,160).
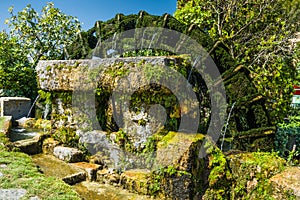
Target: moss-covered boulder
(246,176)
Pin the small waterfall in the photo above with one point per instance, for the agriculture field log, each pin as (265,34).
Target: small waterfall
(94,57)
(153,36)
(112,51)
(193,66)
(46,111)
(38,96)
(142,41)
(227,122)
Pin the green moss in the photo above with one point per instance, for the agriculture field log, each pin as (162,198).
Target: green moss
(22,173)
(48,68)
(176,137)
(117,71)
(162,176)
(2,121)
(242,176)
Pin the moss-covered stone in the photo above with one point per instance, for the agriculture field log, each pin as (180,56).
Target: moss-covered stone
(136,180)
(249,177)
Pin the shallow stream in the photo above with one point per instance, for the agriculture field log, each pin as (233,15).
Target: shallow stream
(52,166)
(17,134)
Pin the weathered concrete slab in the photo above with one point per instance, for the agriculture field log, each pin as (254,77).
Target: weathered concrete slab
(17,107)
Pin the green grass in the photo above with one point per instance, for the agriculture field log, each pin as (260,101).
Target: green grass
(20,172)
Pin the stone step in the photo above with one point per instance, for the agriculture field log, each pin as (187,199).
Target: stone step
(90,169)
(68,154)
(31,146)
(136,180)
(52,166)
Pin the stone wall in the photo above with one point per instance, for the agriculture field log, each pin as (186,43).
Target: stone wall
(101,89)
(17,107)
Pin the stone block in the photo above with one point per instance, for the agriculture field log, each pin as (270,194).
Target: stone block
(75,178)
(30,146)
(177,149)
(136,180)
(68,154)
(108,177)
(17,107)
(91,169)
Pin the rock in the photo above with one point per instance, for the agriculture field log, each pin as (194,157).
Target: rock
(138,132)
(22,121)
(12,194)
(6,125)
(288,180)
(97,159)
(75,178)
(256,165)
(68,154)
(17,107)
(94,190)
(52,166)
(243,175)
(177,149)
(30,146)
(136,180)
(178,187)
(91,169)
(180,151)
(48,145)
(108,177)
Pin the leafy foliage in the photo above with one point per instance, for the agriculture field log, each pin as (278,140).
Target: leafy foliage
(288,135)
(17,75)
(44,35)
(256,34)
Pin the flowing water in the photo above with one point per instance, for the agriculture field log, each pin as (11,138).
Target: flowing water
(33,105)
(95,191)
(87,190)
(17,134)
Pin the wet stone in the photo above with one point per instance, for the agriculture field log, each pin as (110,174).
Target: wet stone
(91,169)
(68,154)
(136,180)
(108,177)
(30,146)
(75,178)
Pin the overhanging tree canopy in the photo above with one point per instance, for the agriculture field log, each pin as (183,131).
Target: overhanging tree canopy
(257,34)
